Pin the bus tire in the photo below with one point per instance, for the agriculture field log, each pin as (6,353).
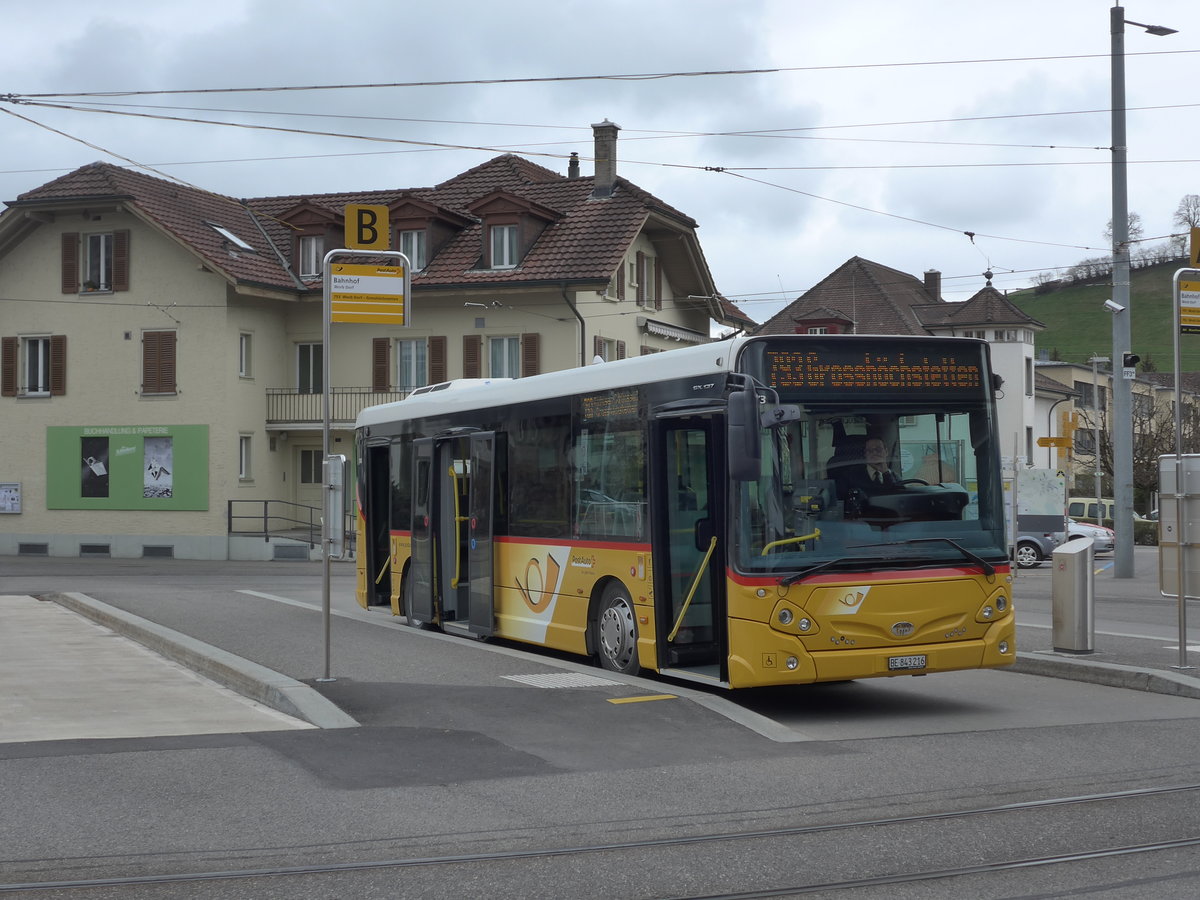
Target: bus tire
(616,632)
(406,601)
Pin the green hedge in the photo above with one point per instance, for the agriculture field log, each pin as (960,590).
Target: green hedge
(1145,534)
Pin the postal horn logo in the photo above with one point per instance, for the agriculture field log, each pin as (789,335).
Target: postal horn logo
(903,629)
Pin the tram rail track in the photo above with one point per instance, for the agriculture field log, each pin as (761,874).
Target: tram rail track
(637,848)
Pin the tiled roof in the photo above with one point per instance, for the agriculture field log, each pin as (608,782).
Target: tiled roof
(987,307)
(182,212)
(881,300)
(876,298)
(585,244)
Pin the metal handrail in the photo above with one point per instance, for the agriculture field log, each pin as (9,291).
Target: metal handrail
(280,518)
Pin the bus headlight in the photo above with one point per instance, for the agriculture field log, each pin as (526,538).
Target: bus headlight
(791,662)
(785,616)
(1002,646)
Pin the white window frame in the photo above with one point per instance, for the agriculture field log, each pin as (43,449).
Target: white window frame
(608,349)
(312,255)
(316,367)
(98,261)
(504,357)
(412,363)
(245,354)
(245,456)
(503,241)
(817,329)
(35,366)
(310,467)
(412,245)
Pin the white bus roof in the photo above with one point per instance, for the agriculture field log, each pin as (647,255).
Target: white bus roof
(483,393)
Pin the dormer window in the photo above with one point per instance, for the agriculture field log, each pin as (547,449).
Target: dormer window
(503,246)
(312,255)
(412,245)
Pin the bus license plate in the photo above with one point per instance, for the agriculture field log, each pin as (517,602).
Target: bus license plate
(906,662)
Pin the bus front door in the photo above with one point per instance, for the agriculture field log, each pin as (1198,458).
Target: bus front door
(689,548)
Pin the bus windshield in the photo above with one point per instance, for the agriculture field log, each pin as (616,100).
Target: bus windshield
(885,460)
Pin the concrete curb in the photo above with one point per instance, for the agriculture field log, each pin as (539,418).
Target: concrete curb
(287,695)
(1155,681)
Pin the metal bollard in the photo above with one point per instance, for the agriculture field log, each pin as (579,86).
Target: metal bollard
(1073,597)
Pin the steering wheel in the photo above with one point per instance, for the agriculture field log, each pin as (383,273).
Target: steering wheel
(912,481)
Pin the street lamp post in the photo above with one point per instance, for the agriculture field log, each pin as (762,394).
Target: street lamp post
(1122,429)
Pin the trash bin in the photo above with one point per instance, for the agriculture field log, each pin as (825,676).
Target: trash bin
(1073,597)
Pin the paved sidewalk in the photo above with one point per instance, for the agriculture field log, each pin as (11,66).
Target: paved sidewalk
(67,677)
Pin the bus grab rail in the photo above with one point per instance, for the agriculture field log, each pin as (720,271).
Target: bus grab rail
(816,533)
(712,545)
(458,520)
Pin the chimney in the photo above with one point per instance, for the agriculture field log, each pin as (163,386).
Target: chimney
(933,284)
(573,166)
(606,158)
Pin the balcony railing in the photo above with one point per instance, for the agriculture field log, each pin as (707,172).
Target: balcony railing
(289,406)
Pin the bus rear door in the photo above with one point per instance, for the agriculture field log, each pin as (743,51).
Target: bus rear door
(452,570)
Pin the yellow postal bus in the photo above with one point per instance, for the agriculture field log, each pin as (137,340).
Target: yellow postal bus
(708,513)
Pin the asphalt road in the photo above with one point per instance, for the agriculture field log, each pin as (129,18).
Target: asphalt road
(466,778)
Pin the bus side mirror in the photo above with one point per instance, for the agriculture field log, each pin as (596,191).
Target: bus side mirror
(744,445)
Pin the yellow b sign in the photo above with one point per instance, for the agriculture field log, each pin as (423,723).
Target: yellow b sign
(367,227)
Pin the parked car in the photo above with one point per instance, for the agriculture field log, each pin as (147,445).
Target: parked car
(1031,548)
(1104,540)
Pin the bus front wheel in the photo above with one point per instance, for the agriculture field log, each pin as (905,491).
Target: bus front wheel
(406,601)
(616,631)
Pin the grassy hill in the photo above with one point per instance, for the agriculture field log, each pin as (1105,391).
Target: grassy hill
(1078,326)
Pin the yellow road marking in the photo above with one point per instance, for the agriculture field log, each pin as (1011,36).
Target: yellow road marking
(642,699)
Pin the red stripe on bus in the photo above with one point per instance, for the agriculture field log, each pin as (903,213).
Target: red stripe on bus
(552,542)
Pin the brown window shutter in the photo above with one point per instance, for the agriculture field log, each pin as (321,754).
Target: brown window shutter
(620,349)
(380,376)
(531,359)
(597,347)
(658,287)
(58,365)
(158,362)
(641,277)
(8,367)
(120,272)
(70,262)
(437,360)
(621,281)
(472,356)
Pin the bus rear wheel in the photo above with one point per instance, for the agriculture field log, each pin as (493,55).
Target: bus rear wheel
(616,631)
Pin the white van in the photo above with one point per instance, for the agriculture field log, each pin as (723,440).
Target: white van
(1090,508)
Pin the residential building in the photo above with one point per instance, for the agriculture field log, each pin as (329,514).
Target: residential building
(162,354)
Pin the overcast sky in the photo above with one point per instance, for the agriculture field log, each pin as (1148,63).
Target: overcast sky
(871,136)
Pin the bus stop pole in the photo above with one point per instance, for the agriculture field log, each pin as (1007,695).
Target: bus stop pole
(326,404)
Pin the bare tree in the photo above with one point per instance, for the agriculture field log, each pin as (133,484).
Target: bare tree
(1135,229)
(1187,214)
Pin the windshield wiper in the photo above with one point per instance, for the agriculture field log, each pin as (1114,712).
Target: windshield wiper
(804,573)
(988,568)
